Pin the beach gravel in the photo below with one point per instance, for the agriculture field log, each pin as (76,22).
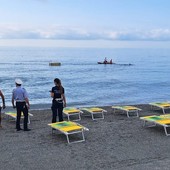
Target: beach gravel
(117,143)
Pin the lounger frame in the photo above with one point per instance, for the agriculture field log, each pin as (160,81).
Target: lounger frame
(71,133)
(159,106)
(81,131)
(15,117)
(154,123)
(135,110)
(69,115)
(93,113)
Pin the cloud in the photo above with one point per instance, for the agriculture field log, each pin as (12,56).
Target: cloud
(68,33)
(149,35)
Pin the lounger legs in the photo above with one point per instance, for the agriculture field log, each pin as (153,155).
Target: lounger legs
(144,124)
(29,120)
(127,112)
(67,139)
(154,124)
(79,117)
(163,110)
(8,118)
(137,113)
(77,141)
(167,134)
(102,115)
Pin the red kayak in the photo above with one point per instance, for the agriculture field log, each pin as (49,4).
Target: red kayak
(105,63)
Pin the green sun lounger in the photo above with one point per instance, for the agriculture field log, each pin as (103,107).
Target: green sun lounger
(72,111)
(127,109)
(14,116)
(69,128)
(95,111)
(161,105)
(162,120)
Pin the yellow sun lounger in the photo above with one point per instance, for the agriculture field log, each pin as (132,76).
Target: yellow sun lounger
(69,128)
(163,120)
(14,116)
(161,105)
(94,111)
(127,109)
(72,111)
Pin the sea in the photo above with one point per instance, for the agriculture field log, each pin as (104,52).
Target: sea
(140,76)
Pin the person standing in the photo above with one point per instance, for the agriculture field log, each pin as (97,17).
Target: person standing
(20,101)
(58,102)
(3,105)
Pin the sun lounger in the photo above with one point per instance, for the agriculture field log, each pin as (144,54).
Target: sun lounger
(163,120)
(14,116)
(94,111)
(72,111)
(161,105)
(127,109)
(69,128)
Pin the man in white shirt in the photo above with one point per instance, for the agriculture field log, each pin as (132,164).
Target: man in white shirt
(20,97)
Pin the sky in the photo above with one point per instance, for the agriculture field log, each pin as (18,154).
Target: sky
(85,23)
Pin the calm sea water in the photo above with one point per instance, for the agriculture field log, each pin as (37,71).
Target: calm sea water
(86,82)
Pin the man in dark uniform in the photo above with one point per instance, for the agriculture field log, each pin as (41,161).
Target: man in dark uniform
(20,97)
(59,100)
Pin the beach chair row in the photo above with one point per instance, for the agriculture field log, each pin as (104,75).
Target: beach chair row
(72,111)
(163,120)
(69,127)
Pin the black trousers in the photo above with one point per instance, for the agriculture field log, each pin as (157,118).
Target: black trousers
(21,107)
(57,110)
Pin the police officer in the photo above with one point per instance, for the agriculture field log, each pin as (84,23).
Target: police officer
(20,98)
(59,100)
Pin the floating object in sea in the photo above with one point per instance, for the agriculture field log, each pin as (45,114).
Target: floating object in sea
(55,64)
(106,62)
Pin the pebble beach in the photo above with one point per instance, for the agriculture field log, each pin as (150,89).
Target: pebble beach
(117,143)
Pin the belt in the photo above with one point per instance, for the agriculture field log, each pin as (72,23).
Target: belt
(20,100)
(59,99)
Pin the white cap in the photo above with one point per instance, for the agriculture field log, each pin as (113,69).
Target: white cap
(18,81)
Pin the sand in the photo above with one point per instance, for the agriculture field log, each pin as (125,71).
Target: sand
(117,143)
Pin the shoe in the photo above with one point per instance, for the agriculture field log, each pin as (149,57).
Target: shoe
(27,129)
(19,129)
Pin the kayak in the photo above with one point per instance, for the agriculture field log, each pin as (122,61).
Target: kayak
(105,63)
